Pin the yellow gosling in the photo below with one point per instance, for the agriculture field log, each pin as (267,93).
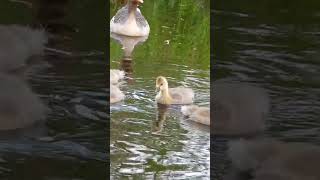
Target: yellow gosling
(166,95)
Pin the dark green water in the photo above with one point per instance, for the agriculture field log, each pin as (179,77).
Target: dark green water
(74,88)
(274,45)
(181,149)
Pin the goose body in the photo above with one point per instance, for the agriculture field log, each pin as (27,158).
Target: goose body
(18,44)
(197,114)
(238,109)
(19,106)
(166,95)
(129,21)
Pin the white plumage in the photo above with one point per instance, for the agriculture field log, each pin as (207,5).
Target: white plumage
(129,21)
(116,95)
(197,114)
(116,75)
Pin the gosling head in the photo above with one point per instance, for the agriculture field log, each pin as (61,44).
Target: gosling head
(161,83)
(163,97)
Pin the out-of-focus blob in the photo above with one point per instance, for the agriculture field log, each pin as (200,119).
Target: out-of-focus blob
(18,44)
(19,106)
(266,159)
(238,109)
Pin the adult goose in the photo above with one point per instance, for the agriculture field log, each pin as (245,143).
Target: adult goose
(129,21)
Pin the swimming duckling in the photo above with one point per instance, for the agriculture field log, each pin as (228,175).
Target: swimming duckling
(238,109)
(18,44)
(116,75)
(271,159)
(19,106)
(116,95)
(166,95)
(129,21)
(197,114)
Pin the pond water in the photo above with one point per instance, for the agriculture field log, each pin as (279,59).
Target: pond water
(274,45)
(149,141)
(72,142)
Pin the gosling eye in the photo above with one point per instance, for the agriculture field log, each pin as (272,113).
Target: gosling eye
(161,84)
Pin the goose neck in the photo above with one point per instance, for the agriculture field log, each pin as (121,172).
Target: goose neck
(132,7)
(166,96)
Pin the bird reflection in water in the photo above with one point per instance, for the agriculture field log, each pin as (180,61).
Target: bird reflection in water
(128,44)
(157,125)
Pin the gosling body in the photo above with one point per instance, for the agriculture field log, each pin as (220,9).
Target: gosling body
(197,114)
(116,75)
(116,95)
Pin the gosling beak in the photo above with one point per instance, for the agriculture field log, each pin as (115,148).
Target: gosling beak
(157,89)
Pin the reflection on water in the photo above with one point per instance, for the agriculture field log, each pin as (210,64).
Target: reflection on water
(73,87)
(127,66)
(128,44)
(160,120)
(275,48)
(150,141)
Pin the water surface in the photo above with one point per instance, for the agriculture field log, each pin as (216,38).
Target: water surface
(72,142)
(274,45)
